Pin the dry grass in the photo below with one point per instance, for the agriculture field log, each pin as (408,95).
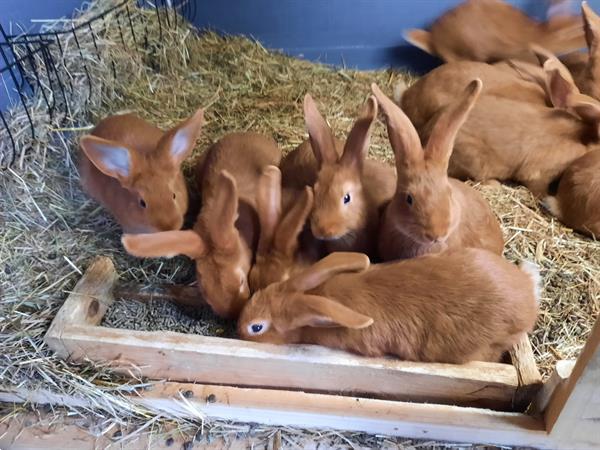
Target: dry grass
(51,230)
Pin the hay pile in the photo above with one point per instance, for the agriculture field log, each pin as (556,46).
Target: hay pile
(51,230)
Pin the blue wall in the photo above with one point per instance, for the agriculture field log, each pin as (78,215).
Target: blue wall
(362,34)
(365,34)
(20,12)
(15,17)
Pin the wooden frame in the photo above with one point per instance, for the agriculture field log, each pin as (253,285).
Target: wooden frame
(312,386)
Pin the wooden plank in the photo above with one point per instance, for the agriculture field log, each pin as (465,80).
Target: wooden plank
(187,296)
(193,358)
(557,380)
(530,378)
(306,410)
(86,305)
(573,413)
(299,409)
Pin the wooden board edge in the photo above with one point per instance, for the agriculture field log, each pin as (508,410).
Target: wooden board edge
(574,408)
(556,382)
(202,359)
(86,304)
(322,411)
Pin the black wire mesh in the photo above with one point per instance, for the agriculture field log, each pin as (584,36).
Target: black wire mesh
(31,61)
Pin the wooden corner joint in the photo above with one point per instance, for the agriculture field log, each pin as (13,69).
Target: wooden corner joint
(86,304)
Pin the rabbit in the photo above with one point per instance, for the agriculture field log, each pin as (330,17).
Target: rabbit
(430,212)
(506,138)
(512,80)
(285,245)
(585,67)
(225,235)
(349,190)
(133,169)
(577,200)
(493,30)
(454,307)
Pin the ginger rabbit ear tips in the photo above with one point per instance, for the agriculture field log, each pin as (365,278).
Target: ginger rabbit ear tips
(375,89)
(271,172)
(125,241)
(308,102)
(475,86)
(367,323)
(541,53)
(372,105)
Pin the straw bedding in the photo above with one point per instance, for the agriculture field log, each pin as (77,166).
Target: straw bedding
(51,230)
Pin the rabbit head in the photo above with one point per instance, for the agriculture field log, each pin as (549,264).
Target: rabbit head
(340,204)
(423,206)
(222,257)
(277,313)
(563,93)
(155,178)
(278,242)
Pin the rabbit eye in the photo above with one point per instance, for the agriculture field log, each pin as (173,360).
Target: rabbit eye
(142,203)
(409,199)
(347,199)
(174,196)
(257,328)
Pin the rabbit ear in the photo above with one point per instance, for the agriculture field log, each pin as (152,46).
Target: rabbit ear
(164,244)
(290,227)
(420,39)
(401,132)
(111,158)
(559,82)
(587,108)
(317,311)
(452,117)
(180,141)
(321,136)
(591,26)
(221,211)
(321,271)
(357,143)
(268,206)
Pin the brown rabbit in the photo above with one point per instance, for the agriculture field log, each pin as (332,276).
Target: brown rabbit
(225,235)
(454,307)
(585,68)
(577,200)
(134,170)
(529,143)
(285,245)
(492,30)
(429,211)
(349,189)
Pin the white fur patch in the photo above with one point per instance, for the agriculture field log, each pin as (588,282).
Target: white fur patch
(240,272)
(552,205)
(533,271)
(399,89)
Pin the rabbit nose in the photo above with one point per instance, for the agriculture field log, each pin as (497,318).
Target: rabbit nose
(433,238)
(324,231)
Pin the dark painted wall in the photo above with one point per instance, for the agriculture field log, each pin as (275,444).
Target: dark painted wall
(362,34)
(21,12)
(16,16)
(365,34)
